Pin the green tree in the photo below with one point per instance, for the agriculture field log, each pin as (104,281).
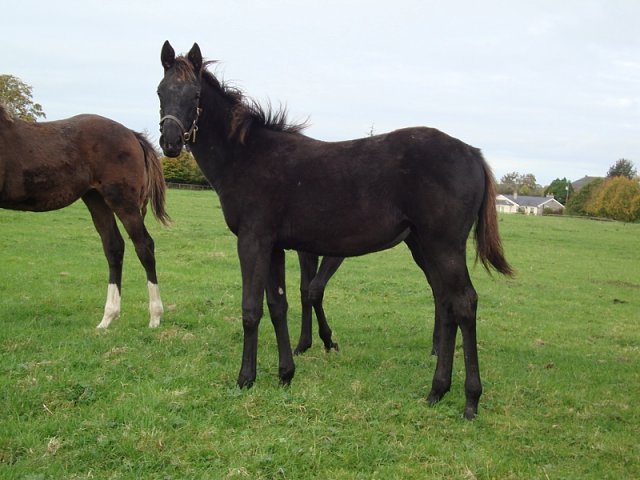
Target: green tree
(577,204)
(524,184)
(618,198)
(560,188)
(182,169)
(622,168)
(17,96)
(529,185)
(509,182)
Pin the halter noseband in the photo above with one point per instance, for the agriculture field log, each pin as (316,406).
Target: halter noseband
(186,134)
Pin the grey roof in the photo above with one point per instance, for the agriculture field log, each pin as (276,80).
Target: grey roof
(527,201)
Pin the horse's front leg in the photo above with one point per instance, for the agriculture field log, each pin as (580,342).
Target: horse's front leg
(113,245)
(254,254)
(277,303)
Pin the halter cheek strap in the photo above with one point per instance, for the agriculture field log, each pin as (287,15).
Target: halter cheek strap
(187,135)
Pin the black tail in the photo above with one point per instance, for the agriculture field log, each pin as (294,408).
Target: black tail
(488,243)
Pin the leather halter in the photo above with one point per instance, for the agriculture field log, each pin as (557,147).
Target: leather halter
(187,135)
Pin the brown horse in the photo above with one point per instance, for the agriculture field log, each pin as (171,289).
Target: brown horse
(49,165)
(280,189)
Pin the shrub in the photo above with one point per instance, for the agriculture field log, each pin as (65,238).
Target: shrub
(577,203)
(617,198)
(182,169)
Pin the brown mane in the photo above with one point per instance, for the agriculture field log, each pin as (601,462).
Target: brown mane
(245,112)
(184,69)
(4,114)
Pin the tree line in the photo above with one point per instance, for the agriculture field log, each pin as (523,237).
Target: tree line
(616,196)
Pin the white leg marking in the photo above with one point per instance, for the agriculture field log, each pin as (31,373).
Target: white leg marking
(112,306)
(155,305)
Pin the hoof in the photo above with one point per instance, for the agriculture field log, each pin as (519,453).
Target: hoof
(245,382)
(470,413)
(434,397)
(471,409)
(300,349)
(332,346)
(286,376)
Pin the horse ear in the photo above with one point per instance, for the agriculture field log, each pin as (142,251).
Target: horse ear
(168,55)
(195,57)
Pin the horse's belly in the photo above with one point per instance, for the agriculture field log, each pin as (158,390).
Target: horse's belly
(39,193)
(340,238)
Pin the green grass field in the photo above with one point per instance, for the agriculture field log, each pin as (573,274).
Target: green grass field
(559,355)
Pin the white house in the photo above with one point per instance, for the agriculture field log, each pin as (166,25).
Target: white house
(527,205)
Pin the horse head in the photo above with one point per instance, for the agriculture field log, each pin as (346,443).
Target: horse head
(179,93)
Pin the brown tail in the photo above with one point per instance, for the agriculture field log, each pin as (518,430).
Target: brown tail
(156,186)
(488,243)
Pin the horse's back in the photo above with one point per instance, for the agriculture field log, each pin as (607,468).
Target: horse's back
(423,150)
(49,165)
(393,167)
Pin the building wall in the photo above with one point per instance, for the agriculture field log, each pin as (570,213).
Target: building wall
(532,211)
(506,209)
(527,210)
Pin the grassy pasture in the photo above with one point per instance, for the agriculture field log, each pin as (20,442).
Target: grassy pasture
(559,355)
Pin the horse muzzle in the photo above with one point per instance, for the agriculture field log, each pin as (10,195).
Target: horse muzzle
(180,135)
(171,148)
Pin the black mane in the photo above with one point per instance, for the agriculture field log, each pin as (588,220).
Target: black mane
(246,112)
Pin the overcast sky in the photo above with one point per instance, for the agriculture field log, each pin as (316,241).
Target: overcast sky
(544,87)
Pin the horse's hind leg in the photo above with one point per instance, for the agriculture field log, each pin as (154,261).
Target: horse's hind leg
(456,301)
(133,222)
(308,268)
(113,246)
(328,267)
(416,251)
(313,281)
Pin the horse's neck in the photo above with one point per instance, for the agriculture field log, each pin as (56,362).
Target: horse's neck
(213,149)
(210,148)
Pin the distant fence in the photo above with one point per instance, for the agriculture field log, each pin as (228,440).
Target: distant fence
(188,186)
(584,217)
